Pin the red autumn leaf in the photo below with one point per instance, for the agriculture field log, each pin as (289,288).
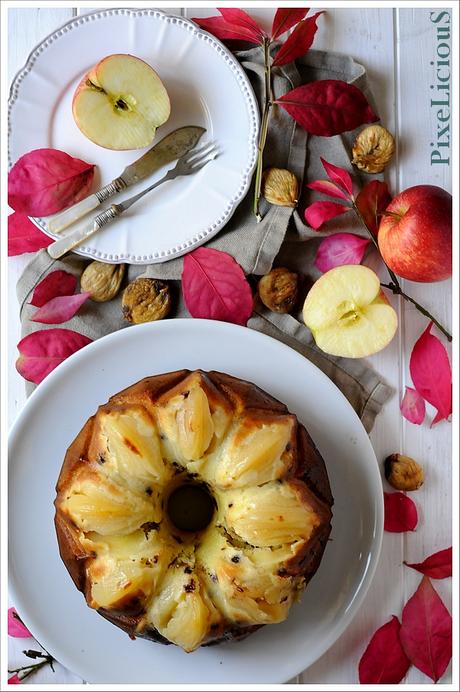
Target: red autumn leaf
(327,188)
(57,283)
(285,18)
(327,107)
(372,201)
(437,566)
(238,17)
(16,627)
(400,513)
(431,373)
(44,181)
(426,631)
(339,249)
(413,406)
(24,236)
(298,43)
(320,212)
(43,350)
(218,27)
(60,309)
(384,661)
(338,175)
(214,287)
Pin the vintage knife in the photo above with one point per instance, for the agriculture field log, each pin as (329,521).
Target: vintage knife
(168,149)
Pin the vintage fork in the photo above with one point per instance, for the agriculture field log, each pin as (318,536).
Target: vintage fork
(190,163)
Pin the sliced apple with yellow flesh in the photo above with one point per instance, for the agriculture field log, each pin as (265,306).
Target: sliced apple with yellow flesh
(120,103)
(348,313)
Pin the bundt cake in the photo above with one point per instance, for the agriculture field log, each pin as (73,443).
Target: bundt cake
(192,508)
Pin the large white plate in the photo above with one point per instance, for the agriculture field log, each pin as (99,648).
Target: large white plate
(207,87)
(42,590)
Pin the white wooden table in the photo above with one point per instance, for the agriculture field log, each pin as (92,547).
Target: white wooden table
(399,49)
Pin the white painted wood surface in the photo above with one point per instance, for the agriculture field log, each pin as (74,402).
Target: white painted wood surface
(397,47)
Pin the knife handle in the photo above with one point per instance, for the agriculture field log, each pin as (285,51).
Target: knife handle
(67,217)
(84,230)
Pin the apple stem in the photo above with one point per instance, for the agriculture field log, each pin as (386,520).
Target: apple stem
(263,129)
(395,286)
(393,215)
(396,289)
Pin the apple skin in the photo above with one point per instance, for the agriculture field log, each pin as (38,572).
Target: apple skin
(416,243)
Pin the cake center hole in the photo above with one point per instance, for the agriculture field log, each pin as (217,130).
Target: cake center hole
(191,507)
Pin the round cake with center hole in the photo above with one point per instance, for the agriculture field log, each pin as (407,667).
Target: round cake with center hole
(192,508)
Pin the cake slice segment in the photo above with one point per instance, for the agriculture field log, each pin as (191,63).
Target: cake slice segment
(94,503)
(257,449)
(272,514)
(178,610)
(124,570)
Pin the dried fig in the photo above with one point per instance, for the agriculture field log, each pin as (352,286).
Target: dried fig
(278,290)
(146,300)
(373,149)
(280,187)
(403,473)
(102,281)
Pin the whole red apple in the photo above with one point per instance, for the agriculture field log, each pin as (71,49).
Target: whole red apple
(415,234)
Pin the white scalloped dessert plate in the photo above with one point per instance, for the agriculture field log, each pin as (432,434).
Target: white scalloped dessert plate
(207,87)
(43,591)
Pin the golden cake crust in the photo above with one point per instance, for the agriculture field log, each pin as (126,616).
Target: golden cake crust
(268,533)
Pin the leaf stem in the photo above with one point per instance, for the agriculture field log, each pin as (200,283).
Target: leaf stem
(28,670)
(263,128)
(398,291)
(394,285)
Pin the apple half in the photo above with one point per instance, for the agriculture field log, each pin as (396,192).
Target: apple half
(348,313)
(120,103)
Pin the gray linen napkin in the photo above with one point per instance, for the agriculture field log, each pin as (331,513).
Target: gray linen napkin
(279,239)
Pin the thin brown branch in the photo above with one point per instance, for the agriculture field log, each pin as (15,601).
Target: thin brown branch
(395,286)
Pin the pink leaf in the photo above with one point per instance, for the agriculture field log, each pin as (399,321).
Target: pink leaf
(285,18)
(320,212)
(339,249)
(218,27)
(238,17)
(328,188)
(400,513)
(16,627)
(431,373)
(14,680)
(327,107)
(426,631)
(57,283)
(384,661)
(298,43)
(339,176)
(60,309)
(24,236)
(43,350)
(372,201)
(413,406)
(214,287)
(437,566)
(44,181)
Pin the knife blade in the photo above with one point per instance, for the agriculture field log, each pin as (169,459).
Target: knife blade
(171,147)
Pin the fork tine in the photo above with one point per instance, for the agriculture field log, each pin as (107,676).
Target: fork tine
(199,152)
(196,166)
(210,151)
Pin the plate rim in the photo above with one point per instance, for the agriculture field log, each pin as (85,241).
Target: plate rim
(374,554)
(252,109)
